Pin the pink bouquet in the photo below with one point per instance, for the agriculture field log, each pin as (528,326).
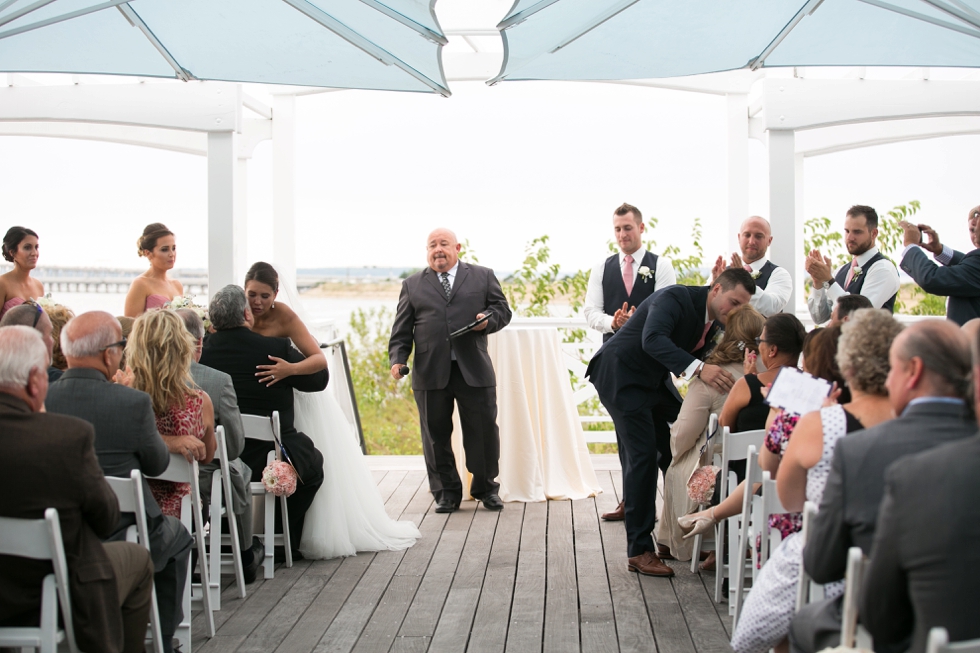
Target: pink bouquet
(279,478)
(701,485)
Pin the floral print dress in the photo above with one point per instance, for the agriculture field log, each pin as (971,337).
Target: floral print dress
(186,420)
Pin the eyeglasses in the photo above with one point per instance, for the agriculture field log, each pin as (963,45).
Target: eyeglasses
(121,344)
(759,340)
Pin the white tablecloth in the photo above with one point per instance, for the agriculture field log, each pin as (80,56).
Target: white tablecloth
(543,454)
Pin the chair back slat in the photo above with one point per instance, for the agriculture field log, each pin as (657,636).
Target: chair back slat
(25,538)
(179,470)
(260,427)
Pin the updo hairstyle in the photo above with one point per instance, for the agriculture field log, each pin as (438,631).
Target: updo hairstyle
(151,234)
(13,239)
(263,273)
(785,332)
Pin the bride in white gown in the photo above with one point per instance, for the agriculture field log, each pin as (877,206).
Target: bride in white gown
(347,514)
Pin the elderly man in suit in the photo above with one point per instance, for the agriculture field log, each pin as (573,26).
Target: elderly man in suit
(928,386)
(51,463)
(669,332)
(925,565)
(237,351)
(958,276)
(220,388)
(442,298)
(126,438)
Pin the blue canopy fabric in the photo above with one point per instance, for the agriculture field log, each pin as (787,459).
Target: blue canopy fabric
(594,40)
(365,44)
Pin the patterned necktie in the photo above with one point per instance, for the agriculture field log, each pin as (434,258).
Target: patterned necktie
(445,283)
(628,274)
(850,274)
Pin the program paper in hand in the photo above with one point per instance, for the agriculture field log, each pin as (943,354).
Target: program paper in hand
(797,392)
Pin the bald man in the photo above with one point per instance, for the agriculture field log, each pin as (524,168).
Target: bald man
(31,314)
(773,284)
(446,296)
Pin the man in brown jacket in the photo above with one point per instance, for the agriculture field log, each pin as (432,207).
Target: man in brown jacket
(49,462)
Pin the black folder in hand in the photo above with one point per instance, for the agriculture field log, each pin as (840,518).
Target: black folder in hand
(469,327)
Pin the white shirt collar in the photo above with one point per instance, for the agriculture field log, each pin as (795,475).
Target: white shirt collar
(637,255)
(451,271)
(757,265)
(867,256)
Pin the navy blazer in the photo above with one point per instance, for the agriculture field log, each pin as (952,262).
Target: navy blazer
(656,340)
(960,281)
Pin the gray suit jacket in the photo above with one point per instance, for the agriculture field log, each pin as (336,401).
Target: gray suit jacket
(925,563)
(849,509)
(425,318)
(126,436)
(221,390)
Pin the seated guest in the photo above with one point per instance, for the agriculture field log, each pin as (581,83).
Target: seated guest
(925,566)
(56,467)
(160,352)
(958,276)
(237,351)
(126,438)
(845,306)
(31,314)
(59,316)
(220,389)
(688,434)
(819,352)
(863,359)
(928,386)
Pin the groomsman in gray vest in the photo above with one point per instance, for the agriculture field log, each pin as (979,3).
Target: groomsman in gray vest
(616,287)
(868,273)
(773,284)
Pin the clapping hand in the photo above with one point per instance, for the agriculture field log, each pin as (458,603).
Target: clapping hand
(124,377)
(749,363)
(737,261)
(932,245)
(621,316)
(718,268)
(818,267)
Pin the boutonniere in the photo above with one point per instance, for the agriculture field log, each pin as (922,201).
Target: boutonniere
(756,274)
(644,272)
(719,334)
(857,272)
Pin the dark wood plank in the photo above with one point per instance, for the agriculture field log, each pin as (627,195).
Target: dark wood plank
(276,626)
(666,616)
(452,631)
(258,603)
(597,625)
(309,629)
(707,631)
(633,629)
(721,609)
(561,606)
(489,634)
(527,611)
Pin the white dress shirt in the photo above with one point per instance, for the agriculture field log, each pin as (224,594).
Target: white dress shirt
(774,298)
(881,283)
(595,315)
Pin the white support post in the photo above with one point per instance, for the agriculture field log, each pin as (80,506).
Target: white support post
(783,207)
(738,165)
(241,220)
(284,184)
(224,229)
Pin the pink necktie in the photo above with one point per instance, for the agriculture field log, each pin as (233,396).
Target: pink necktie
(707,327)
(850,274)
(748,268)
(628,274)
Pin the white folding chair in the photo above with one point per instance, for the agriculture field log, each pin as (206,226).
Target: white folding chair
(807,590)
(129,492)
(709,433)
(40,539)
(258,427)
(852,634)
(735,446)
(181,471)
(222,505)
(939,643)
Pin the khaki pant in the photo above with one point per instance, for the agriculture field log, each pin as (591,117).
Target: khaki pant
(134,580)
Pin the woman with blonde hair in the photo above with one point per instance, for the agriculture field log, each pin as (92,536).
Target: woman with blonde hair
(59,316)
(154,288)
(689,439)
(158,355)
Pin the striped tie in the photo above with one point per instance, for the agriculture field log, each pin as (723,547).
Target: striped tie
(445,284)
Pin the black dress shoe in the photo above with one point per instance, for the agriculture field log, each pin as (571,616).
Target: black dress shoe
(250,569)
(492,502)
(447,505)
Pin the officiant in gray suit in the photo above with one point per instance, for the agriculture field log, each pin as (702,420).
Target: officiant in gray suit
(442,298)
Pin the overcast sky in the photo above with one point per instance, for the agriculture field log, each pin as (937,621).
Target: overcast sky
(500,165)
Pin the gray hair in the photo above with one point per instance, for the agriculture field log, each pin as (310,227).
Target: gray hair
(22,315)
(945,354)
(192,322)
(21,350)
(93,342)
(862,351)
(227,308)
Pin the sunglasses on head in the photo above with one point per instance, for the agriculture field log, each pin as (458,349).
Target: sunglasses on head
(38,314)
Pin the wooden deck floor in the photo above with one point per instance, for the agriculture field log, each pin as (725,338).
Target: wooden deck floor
(534,577)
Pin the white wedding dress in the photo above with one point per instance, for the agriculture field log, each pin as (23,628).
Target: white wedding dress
(347,514)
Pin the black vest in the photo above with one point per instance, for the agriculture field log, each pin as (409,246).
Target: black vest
(858,282)
(764,273)
(614,290)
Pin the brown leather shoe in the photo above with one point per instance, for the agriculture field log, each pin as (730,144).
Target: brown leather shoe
(649,564)
(663,552)
(709,562)
(619,514)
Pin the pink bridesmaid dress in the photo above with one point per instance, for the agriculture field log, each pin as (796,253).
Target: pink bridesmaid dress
(9,304)
(155,301)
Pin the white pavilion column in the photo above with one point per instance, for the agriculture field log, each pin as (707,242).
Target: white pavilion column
(783,206)
(241,220)
(284,184)
(225,228)
(738,165)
